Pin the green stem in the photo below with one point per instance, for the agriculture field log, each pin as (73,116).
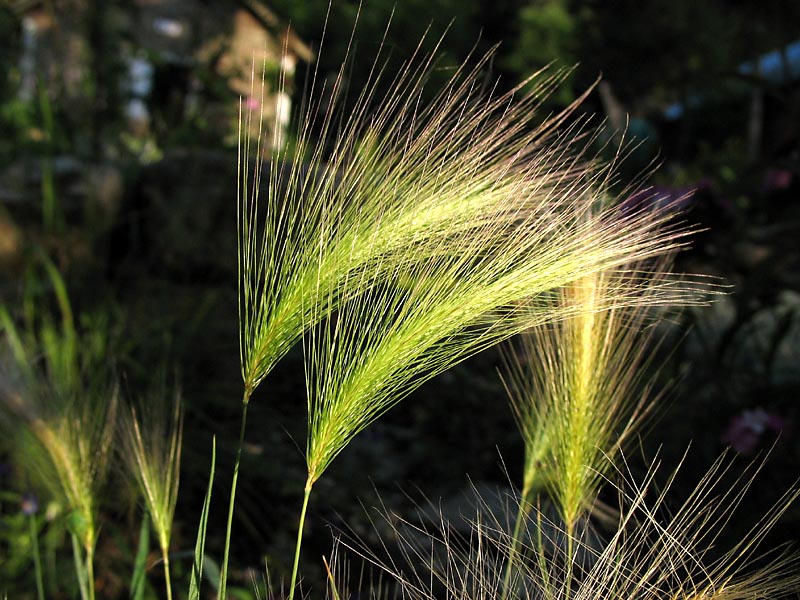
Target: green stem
(223,579)
(570,558)
(37,561)
(299,543)
(90,571)
(167,579)
(80,571)
(522,516)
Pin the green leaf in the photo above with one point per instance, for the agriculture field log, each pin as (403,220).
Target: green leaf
(77,524)
(212,572)
(14,340)
(139,579)
(197,567)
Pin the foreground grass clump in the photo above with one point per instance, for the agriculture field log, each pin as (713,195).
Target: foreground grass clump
(654,551)
(58,427)
(398,236)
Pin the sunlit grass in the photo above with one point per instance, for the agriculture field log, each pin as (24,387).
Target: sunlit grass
(581,386)
(655,550)
(64,444)
(407,235)
(392,187)
(475,288)
(151,448)
(578,387)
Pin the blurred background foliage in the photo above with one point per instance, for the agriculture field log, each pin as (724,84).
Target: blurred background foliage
(118,164)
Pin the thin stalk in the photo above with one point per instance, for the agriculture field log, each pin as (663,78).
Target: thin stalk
(223,580)
(541,559)
(80,571)
(299,543)
(90,571)
(570,559)
(168,580)
(522,516)
(37,560)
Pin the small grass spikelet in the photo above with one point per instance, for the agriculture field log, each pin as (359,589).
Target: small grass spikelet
(64,444)
(577,386)
(151,446)
(59,415)
(75,441)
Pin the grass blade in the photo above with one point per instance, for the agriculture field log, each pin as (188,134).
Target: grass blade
(140,565)
(199,549)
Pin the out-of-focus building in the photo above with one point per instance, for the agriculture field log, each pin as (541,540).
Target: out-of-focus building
(171,53)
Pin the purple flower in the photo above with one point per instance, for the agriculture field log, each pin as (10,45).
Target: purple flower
(663,198)
(29,504)
(745,430)
(251,103)
(777,179)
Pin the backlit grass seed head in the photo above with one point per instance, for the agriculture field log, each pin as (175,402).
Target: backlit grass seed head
(151,446)
(577,385)
(468,295)
(476,289)
(387,186)
(64,443)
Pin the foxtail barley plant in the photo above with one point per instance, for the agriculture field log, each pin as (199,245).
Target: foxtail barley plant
(66,445)
(417,235)
(62,426)
(578,389)
(151,446)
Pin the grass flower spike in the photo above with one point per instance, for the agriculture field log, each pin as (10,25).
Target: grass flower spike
(359,210)
(577,386)
(376,196)
(152,450)
(60,420)
(65,443)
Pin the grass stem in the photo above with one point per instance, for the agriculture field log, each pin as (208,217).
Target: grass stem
(299,543)
(80,570)
(223,579)
(90,569)
(516,542)
(167,579)
(570,559)
(37,560)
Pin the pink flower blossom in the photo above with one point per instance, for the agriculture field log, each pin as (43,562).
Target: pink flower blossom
(745,430)
(777,179)
(251,103)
